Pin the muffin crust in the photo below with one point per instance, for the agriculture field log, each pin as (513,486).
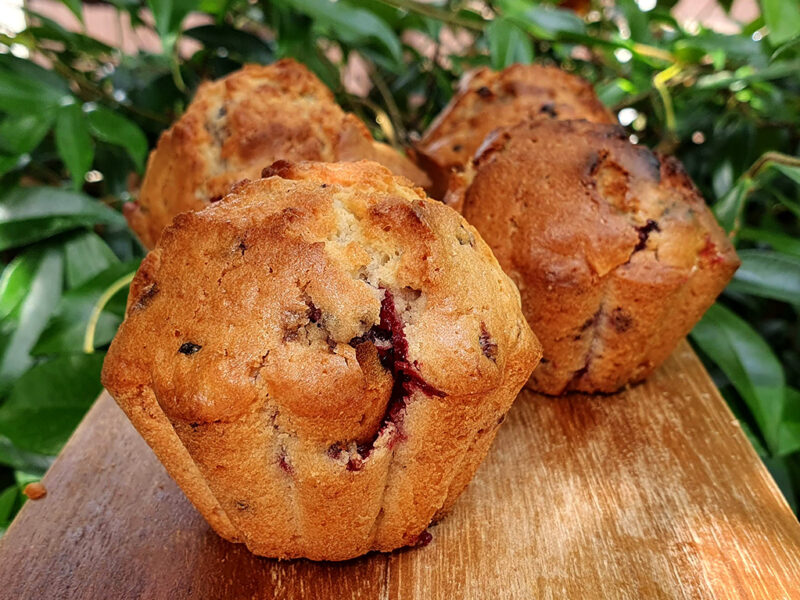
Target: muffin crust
(321,359)
(488,100)
(236,125)
(614,251)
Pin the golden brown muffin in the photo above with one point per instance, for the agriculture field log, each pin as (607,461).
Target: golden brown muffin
(614,251)
(488,100)
(321,360)
(235,126)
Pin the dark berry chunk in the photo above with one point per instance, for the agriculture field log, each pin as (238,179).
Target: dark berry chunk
(644,233)
(488,347)
(189,348)
(549,109)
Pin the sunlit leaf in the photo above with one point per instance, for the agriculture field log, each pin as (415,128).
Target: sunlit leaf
(66,331)
(748,362)
(34,213)
(508,44)
(31,313)
(782,18)
(768,274)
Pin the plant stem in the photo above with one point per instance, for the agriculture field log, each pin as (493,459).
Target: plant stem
(435,13)
(97,309)
(766,159)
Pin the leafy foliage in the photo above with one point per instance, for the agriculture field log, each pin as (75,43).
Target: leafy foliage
(74,138)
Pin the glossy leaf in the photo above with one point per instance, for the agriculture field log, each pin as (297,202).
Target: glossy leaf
(791,172)
(47,402)
(22,133)
(239,44)
(768,274)
(76,7)
(75,145)
(350,24)
(779,241)
(169,15)
(35,213)
(789,434)
(508,44)
(729,208)
(782,18)
(22,95)
(86,255)
(115,129)
(29,317)
(66,331)
(748,362)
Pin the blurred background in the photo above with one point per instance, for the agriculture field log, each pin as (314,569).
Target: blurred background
(86,88)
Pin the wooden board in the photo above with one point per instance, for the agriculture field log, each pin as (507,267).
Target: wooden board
(651,493)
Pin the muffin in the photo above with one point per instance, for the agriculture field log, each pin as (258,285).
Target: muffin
(488,100)
(614,250)
(321,359)
(238,124)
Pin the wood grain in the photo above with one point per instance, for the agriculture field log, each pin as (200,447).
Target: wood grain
(651,493)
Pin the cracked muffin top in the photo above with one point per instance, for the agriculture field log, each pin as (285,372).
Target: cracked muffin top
(614,250)
(487,100)
(315,290)
(236,125)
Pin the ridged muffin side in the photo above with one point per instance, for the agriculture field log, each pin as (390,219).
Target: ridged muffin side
(236,125)
(321,360)
(615,252)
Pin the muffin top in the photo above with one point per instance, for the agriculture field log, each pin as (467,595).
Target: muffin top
(313,292)
(487,100)
(235,126)
(567,202)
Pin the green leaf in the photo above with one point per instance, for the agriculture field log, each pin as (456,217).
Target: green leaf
(544,21)
(789,433)
(23,95)
(351,25)
(115,129)
(779,241)
(768,274)
(31,313)
(792,173)
(66,331)
(49,400)
(34,213)
(782,18)
(169,15)
(86,255)
(22,133)
(8,499)
(76,7)
(74,144)
(749,363)
(30,462)
(508,44)
(728,209)
(239,44)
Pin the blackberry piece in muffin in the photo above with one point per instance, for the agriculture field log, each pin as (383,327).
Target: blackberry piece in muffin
(615,253)
(487,100)
(236,125)
(322,359)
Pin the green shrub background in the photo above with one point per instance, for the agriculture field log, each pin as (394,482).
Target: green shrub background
(73,133)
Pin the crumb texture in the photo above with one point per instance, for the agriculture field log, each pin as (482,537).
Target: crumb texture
(321,359)
(241,123)
(614,250)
